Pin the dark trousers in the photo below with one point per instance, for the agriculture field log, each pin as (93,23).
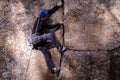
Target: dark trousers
(48,58)
(45,50)
(50,36)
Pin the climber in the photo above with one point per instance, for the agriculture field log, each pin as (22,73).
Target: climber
(41,34)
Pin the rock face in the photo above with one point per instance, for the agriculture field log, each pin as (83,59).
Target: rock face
(92,36)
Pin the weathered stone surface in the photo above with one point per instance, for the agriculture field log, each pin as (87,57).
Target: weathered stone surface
(87,65)
(90,26)
(114,70)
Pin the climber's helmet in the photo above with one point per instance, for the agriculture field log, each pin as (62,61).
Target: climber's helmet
(43,14)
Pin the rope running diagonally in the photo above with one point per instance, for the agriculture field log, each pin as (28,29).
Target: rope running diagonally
(28,64)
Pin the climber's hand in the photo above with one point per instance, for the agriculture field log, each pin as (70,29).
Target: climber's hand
(61,22)
(59,4)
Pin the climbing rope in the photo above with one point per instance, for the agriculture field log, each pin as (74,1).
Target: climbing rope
(28,64)
(63,31)
(63,43)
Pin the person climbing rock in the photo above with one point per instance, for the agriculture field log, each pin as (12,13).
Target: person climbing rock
(41,34)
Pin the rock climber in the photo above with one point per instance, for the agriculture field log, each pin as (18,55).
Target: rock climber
(41,34)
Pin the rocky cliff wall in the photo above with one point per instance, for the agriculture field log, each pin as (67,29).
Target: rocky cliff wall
(92,36)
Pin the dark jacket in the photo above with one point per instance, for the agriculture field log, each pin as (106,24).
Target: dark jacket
(44,26)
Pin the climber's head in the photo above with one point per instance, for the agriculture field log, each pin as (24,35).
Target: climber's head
(43,14)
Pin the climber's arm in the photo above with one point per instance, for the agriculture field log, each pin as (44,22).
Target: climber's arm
(55,8)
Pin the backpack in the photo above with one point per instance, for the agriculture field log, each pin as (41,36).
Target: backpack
(35,38)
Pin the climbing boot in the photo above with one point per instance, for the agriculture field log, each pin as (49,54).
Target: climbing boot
(63,49)
(55,70)
(58,71)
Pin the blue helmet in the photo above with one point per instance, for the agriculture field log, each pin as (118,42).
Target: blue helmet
(43,13)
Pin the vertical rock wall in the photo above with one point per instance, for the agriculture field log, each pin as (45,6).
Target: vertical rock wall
(92,36)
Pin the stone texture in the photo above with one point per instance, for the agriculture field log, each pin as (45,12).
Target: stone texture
(92,34)
(87,65)
(94,22)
